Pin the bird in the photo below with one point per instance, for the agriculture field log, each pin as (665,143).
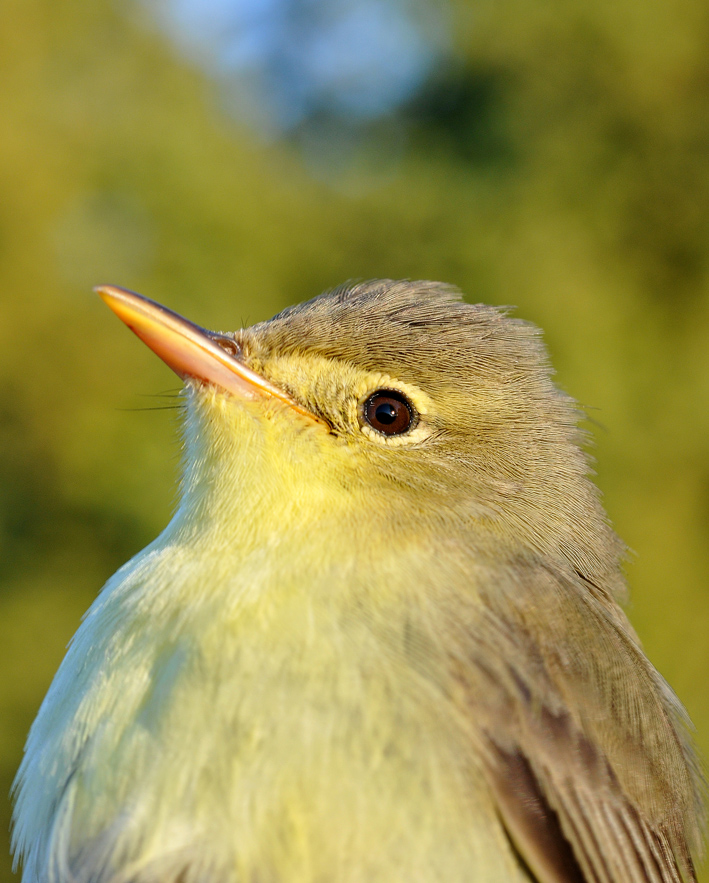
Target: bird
(380,640)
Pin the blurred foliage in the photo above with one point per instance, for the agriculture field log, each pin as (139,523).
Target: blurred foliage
(557,162)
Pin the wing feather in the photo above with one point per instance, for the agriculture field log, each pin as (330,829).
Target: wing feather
(582,740)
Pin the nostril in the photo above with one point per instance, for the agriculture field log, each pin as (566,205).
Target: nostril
(228,344)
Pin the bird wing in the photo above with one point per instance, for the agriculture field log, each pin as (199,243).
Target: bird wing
(583,743)
(570,820)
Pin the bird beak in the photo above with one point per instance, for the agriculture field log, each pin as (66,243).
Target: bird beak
(191,351)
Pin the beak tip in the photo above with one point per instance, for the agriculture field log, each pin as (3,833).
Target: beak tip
(109,291)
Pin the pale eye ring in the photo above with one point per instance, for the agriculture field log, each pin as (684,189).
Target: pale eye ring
(389,412)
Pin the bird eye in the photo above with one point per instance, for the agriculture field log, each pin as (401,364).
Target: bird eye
(389,412)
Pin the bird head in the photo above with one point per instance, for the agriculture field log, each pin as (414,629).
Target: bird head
(390,404)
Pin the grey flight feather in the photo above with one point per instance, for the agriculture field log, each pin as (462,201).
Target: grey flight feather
(580,753)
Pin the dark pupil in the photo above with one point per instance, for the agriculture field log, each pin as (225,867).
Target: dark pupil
(388,412)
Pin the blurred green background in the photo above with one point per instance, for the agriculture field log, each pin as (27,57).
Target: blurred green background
(231,158)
